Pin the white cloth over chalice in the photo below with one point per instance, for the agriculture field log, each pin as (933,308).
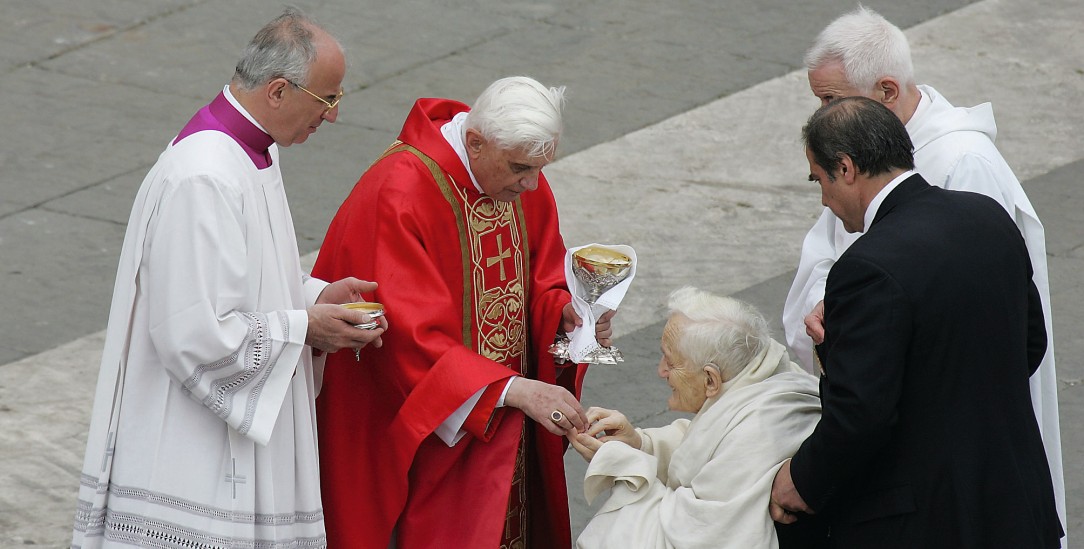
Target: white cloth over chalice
(582,339)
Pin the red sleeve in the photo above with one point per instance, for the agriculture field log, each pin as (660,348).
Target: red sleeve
(484,418)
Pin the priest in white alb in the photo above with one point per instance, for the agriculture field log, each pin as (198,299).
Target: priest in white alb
(203,432)
(863,54)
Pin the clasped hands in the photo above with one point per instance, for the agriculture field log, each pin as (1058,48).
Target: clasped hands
(331,326)
(604,426)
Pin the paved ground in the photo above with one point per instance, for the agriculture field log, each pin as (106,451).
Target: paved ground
(682,140)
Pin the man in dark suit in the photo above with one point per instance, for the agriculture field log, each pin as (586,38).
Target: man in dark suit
(932,328)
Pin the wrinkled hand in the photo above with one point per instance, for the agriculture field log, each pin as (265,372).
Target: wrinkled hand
(585,445)
(814,323)
(331,327)
(346,290)
(606,425)
(611,425)
(603,331)
(538,400)
(785,500)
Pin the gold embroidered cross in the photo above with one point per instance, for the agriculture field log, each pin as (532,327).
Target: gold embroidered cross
(500,257)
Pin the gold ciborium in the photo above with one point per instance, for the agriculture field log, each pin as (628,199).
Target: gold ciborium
(598,269)
(374,310)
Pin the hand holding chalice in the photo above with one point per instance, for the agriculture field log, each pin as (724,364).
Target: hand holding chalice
(595,270)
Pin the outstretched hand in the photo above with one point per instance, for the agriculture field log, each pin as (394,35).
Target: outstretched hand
(539,400)
(585,445)
(605,426)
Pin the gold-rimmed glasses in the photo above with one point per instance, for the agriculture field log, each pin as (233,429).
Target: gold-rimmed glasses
(328,104)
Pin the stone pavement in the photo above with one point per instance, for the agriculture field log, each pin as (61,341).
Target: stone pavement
(682,124)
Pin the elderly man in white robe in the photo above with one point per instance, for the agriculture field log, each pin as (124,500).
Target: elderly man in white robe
(203,432)
(862,54)
(701,482)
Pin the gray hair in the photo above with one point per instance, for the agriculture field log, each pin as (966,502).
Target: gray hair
(284,48)
(719,331)
(519,112)
(868,46)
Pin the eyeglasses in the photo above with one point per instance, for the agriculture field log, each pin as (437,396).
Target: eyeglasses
(328,104)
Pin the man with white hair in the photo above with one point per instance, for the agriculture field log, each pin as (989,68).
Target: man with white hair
(450,435)
(203,432)
(862,54)
(702,482)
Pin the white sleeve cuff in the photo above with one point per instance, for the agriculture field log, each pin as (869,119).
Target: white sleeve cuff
(504,393)
(451,431)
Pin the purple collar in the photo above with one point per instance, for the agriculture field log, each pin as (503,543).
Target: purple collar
(221,115)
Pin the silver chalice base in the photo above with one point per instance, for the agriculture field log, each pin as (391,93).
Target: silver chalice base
(601,355)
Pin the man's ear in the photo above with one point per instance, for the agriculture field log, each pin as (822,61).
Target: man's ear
(713,380)
(888,92)
(846,168)
(474,142)
(275,91)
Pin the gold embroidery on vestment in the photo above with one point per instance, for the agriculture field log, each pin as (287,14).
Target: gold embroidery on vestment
(499,305)
(500,301)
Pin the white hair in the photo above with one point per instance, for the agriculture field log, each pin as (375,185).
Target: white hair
(283,48)
(719,331)
(868,46)
(519,112)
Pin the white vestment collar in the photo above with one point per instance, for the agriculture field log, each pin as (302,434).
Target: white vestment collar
(455,133)
(924,103)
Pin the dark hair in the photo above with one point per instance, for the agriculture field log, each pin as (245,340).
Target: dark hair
(862,129)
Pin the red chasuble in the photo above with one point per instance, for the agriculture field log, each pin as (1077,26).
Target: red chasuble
(473,290)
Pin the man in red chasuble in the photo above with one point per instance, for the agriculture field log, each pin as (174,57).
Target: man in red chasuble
(450,435)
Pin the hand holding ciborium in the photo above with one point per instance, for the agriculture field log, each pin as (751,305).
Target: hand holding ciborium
(374,310)
(595,270)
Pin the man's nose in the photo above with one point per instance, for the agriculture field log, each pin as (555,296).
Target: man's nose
(530,182)
(331,114)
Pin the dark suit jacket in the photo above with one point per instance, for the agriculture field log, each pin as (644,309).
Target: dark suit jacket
(928,438)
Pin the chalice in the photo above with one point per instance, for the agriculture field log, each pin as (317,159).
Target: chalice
(597,268)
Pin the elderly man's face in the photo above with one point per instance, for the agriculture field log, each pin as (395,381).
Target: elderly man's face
(503,174)
(829,82)
(686,380)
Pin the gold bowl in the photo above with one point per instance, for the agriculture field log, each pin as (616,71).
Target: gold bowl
(600,268)
(374,310)
(601,260)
